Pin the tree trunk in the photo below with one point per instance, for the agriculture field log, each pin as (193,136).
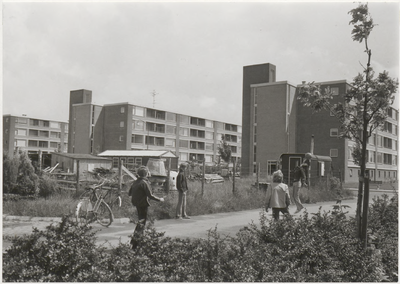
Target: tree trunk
(233,177)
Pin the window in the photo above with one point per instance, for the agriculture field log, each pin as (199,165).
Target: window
(183,156)
(138,161)
(155,127)
(55,134)
(371,156)
(43,144)
(121,138)
(115,162)
(121,124)
(122,109)
(33,132)
(394,161)
(54,145)
(387,159)
(184,119)
(196,157)
(197,133)
(234,149)
(21,120)
(379,140)
(333,153)
(209,158)
(209,147)
(209,135)
(20,143)
(272,166)
(183,144)
(230,127)
(32,143)
(334,132)
(170,142)
(34,122)
(138,111)
(335,91)
(387,142)
(184,131)
(43,133)
(197,121)
(209,124)
(388,127)
(20,132)
(171,116)
(46,123)
(379,158)
(171,129)
(55,124)
(372,139)
(138,125)
(137,139)
(158,114)
(230,138)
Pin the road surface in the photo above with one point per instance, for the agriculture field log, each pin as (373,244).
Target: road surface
(197,227)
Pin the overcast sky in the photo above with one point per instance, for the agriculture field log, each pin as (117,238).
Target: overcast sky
(191,54)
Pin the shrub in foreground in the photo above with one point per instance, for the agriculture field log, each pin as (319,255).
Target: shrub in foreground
(317,248)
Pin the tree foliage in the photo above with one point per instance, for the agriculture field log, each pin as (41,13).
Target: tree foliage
(224,149)
(365,105)
(19,175)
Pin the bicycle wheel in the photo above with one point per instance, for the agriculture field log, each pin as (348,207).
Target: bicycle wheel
(116,203)
(88,194)
(83,212)
(104,214)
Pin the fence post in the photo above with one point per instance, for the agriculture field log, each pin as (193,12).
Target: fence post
(168,175)
(233,176)
(203,177)
(120,175)
(77,175)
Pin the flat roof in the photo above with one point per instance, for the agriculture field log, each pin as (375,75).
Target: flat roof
(272,83)
(137,153)
(80,156)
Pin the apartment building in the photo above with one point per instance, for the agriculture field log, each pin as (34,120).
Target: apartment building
(277,123)
(35,136)
(124,126)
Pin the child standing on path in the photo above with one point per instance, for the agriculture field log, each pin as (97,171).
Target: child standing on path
(278,197)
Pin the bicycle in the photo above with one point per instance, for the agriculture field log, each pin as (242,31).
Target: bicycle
(86,212)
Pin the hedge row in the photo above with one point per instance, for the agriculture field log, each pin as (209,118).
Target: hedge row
(317,248)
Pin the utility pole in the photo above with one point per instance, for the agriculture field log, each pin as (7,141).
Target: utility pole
(154,98)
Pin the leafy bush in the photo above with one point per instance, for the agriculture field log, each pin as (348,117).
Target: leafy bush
(320,248)
(19,175)
(47,186)
(62,253)
(383,225)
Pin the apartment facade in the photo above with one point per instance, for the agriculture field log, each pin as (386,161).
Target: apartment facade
(278,123)
(124,126)
(35,136)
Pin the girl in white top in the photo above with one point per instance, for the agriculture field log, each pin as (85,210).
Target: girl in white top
(278,197)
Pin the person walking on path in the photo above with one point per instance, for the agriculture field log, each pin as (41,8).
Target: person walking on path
(299,180)
(181,185)
(278,197)
(141,194)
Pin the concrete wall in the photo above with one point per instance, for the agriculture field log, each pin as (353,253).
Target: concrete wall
(254,74)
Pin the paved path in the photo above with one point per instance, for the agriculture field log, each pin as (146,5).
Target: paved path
(197,227)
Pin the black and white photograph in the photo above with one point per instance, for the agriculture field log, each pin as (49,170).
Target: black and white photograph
(200,141)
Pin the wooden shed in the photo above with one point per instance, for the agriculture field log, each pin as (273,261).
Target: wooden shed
(68,162)
(131,159)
